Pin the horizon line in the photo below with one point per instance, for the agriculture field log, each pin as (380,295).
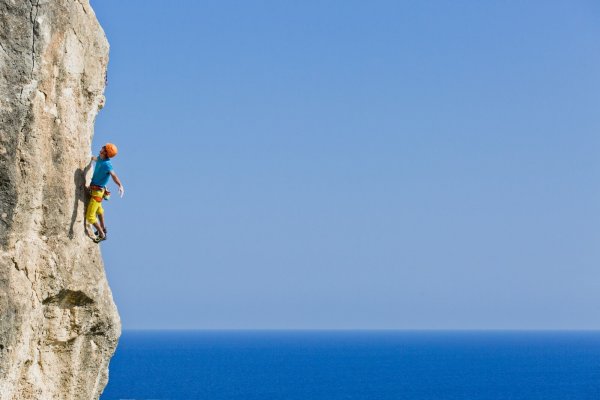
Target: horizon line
(364,329)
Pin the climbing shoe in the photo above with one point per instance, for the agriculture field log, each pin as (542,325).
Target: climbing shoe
(99,239)
(97,233)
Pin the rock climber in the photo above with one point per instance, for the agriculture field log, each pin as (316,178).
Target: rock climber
(103,170)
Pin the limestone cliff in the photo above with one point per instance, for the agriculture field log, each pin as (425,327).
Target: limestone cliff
(58,324)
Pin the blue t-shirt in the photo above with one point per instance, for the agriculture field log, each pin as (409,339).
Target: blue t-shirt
(102,172)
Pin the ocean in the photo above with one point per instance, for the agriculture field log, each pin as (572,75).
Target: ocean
(353,365)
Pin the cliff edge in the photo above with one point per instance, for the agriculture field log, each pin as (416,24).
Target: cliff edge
(58,323)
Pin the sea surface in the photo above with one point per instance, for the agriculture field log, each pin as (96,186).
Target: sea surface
(374,365)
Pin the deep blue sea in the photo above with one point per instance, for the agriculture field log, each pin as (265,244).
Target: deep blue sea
(330,365)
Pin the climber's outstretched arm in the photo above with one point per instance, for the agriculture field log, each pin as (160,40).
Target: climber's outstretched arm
(118,182)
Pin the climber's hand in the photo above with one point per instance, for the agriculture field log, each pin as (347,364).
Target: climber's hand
(94,158)
(121,190)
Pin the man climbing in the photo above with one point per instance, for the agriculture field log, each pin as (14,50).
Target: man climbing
(103,170)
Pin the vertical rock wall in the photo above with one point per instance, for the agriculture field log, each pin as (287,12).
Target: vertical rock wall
(58,324)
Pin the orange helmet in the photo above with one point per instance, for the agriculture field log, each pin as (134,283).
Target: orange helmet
(111,150)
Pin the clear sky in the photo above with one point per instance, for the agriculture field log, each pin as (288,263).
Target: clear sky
(354,164)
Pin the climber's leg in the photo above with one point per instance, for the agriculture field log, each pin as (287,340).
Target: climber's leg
(101,219)
(90,216)
(100,225)
(95,210)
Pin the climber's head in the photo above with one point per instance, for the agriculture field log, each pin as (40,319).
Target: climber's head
(109,150)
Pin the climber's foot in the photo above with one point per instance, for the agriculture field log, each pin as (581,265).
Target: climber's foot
(97,232)
(99,239)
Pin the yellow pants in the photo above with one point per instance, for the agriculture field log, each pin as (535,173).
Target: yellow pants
(94,207)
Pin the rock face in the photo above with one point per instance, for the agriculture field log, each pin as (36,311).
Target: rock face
(58,324)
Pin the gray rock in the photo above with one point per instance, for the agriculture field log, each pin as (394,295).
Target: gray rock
(58,323)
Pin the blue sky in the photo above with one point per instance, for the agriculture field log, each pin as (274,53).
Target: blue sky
(349,164)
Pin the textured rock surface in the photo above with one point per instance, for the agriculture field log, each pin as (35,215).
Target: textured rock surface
(58,323)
